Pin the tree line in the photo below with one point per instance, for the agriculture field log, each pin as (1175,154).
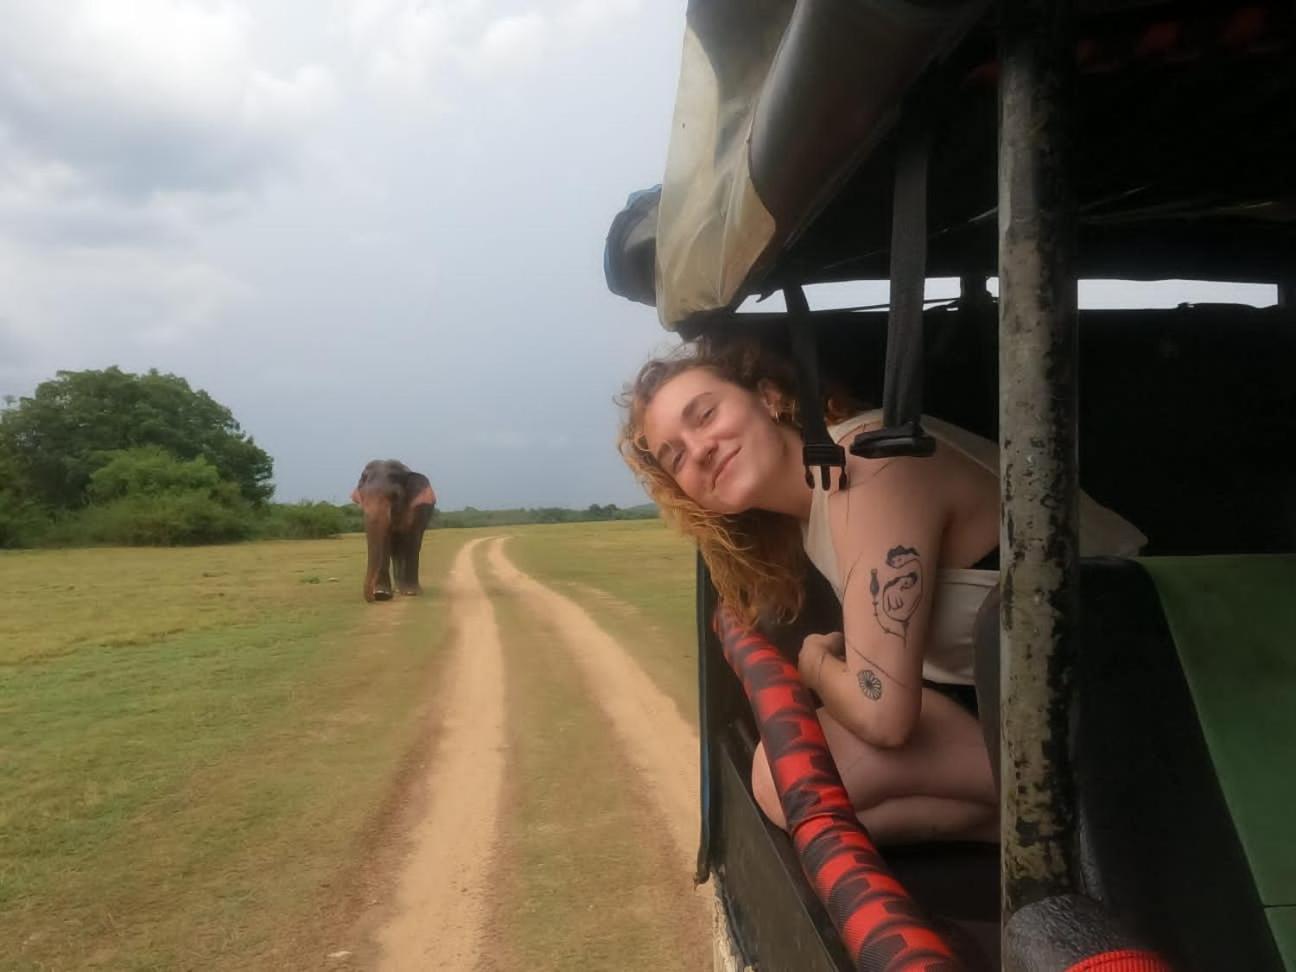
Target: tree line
(110,457)
(97,457)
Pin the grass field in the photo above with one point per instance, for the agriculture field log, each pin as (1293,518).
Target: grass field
(636,580)
(200,748)
(193,744)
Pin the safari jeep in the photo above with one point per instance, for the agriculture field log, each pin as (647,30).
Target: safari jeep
(1142,712)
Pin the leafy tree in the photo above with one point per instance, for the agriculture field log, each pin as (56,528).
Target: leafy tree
(75,423)
(21,520)
(149,471)
(22,523)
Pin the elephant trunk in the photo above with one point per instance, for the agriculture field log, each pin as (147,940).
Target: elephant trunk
(377,533)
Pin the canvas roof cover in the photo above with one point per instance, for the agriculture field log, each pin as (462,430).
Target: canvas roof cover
(778,100)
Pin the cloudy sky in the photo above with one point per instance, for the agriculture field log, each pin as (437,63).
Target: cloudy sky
(372,228)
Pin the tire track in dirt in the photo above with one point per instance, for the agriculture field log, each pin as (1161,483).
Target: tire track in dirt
(441,899)
(655,738)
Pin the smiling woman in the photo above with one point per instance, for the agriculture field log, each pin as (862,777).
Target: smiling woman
(753,554)
(907,545)
(705,432)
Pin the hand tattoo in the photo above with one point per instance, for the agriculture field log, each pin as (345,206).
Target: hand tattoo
(898,591)
(869,684)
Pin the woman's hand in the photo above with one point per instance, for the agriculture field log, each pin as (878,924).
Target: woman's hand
(814,649)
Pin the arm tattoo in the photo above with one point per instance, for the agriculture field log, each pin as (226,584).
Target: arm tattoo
(874,668)
(869,684)
(897,590)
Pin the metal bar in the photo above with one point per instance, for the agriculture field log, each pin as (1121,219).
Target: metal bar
(1037,437)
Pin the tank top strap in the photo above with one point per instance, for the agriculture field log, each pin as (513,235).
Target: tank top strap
(839,430)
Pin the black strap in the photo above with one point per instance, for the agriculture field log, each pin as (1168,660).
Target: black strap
(819,449)
(902,433)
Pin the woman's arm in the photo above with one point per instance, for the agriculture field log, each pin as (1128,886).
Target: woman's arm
(887,532)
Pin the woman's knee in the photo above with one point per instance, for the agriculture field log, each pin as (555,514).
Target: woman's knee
(764,790)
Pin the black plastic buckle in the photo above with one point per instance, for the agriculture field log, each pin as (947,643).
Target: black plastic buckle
(902,440)
(825,455)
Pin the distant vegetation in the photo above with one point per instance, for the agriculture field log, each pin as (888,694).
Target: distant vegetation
(112,458)
(472,517)
(97,457)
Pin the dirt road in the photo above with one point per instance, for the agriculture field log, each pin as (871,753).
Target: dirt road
(655,738)
(440,906)
(440,911)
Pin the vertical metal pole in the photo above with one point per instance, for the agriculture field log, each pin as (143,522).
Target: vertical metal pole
(1037,436)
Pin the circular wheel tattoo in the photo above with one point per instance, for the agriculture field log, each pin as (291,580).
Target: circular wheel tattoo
(870,684)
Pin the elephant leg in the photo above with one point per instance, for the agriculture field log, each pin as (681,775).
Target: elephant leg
(377,583)
(413,546)
(409,578)
(383,586)
(402,570)
(412,578)
(399,561)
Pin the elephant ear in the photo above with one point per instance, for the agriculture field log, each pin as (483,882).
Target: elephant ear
(420,490)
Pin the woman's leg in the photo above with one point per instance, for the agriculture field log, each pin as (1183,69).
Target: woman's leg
(938,786)
(920,819)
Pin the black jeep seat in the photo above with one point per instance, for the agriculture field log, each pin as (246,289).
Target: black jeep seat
(1197,468)
(1156,842)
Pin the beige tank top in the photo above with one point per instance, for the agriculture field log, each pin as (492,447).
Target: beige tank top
(960,592)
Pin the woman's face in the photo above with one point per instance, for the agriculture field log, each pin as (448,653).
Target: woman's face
(719,441)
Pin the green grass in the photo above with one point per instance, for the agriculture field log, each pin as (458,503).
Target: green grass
(194,745)
(588,877)
(199,750)
(637,580)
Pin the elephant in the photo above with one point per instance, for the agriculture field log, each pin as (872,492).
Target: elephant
(397,504)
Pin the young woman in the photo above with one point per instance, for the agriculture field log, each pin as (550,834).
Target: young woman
(910,547)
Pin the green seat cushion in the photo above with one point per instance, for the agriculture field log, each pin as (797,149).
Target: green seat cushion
(1283,923)
(1233,620)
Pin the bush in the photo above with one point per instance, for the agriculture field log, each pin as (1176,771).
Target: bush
(166,520)
(470,516)
(149,471)
(22,523)
(307,521)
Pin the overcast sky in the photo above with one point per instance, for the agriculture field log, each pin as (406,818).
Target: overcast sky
(372,228)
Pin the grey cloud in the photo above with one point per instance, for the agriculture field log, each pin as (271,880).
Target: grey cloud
(88,221)
(151,96)
(415,283)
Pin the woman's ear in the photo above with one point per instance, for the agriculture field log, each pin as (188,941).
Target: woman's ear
(771,397)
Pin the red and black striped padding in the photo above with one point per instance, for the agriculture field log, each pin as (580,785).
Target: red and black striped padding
(1122,960)
(879,923)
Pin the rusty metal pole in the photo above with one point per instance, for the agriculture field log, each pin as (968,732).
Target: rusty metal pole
(1037,437)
